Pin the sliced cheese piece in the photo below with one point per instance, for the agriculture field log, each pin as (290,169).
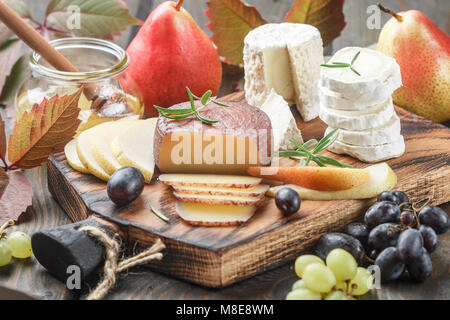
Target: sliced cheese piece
(225,200)
(84,151)
(373,117)
(134,147)
(213,215)
(209,180)
(371,154)
(335,100)
(70,150)
(242,137)
(381,178)
(388,133)
(285,57)
(283,122)
(374,68)
(256,191)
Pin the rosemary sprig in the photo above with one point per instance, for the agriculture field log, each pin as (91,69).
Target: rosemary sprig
(159,214)
(177,114)
(304,151)
(344,65)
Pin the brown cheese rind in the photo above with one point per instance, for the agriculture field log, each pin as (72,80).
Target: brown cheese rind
(238,120)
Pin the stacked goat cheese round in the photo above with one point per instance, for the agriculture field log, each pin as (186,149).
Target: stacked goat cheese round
(358,101)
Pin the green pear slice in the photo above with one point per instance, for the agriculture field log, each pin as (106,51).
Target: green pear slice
(382,178)
(74,161)
(134,147)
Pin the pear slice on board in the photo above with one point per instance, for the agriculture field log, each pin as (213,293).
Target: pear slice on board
(101,144)
(70,151)
(134,147)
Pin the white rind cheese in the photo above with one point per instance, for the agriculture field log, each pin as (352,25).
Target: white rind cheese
(285,57)
(388,133)
(283,122)
(372,117)
(374,68)
(371,154)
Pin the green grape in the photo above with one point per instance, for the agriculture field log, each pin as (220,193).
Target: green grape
(303,294)
(303,261)
(20,244)
(319,278)
(299,284)
(336,295)
(362,282)
(5,253)
(342,264)
(341,285)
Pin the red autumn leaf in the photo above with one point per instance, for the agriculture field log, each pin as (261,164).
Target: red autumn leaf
(46,129)
(16,198)
(230,22)
(325,15)
(3,181)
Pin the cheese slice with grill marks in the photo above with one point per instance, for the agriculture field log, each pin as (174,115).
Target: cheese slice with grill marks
(285,57)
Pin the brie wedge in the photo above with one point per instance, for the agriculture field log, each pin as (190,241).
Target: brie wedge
(372,117)
(387,133)
(374,68)
(371,154)
(284,126)
(285,57)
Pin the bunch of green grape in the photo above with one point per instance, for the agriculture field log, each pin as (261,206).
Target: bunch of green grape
(339,278)
(17,244)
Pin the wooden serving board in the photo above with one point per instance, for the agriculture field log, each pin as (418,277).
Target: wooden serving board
(217,257)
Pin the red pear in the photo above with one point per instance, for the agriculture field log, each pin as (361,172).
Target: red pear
(423,52)
(169,53)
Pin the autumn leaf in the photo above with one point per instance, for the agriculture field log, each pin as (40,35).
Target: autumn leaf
(9,53)
(3,181)
(230,22)
(17,197)
(16,76)
(21,9)
(45,129)
(325,15)
(98,18)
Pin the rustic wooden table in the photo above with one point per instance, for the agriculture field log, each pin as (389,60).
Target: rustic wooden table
(29,278)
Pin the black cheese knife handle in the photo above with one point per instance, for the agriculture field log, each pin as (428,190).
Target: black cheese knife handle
(63,249)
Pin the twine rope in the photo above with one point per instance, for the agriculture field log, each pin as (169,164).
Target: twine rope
(112,264)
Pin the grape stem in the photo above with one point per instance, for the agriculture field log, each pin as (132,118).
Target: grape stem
(6,225)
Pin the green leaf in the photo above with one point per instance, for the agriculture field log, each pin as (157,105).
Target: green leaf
(205,98)
(310,144)
(159,214)
(230,22)
(14,80)
(98,18)
(172,111)
(9,53)
(177,117)
(355,57)
(21,9)
(332,162)
(324,141)
(291,154)
(355,71)
(340,65)
(219,104)
(325,15)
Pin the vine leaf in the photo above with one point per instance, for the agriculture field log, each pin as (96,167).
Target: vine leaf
(17,196)
(325,15)
(16,76)
(230,22)
(98,18)
(9,53)
(45,129)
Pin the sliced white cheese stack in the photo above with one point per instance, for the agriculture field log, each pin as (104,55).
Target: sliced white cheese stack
(284,126)
(285,57)
(361,106)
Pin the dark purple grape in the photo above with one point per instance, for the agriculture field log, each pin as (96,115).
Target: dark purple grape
(410,245)
(408,219)
(358,231)
(382,212)
(288,201)
(387,196)
(331,241)
(401,197)
(430,238)
(125,185)
(390,264)
(383,236)
(436,218)
(420,268)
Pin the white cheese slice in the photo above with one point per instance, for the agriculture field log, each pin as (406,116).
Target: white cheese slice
(335,100)
(371,154)
(372,117)
(388,133)
(374,68)
(284,126)
(285,57)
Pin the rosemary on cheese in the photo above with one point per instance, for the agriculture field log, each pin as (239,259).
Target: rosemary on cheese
(344,65)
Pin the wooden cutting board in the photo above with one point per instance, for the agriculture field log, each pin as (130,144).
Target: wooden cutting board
(217,257)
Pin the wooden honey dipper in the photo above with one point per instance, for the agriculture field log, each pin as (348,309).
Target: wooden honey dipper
(39,44)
